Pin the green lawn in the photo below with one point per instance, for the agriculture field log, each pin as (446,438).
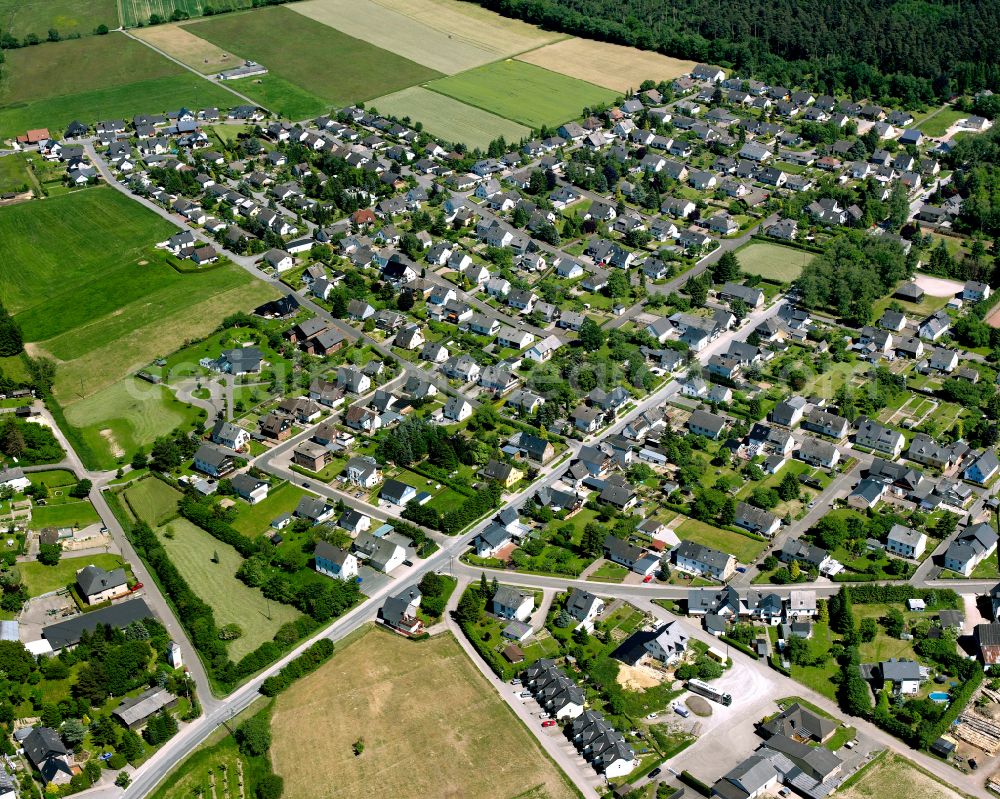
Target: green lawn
(255,519)
(53,478)
(14,175)
(773,261)
(281,96)
(192,551)
(609,573)
(152,500)
(523,92)
(914,310)
(21,17)
(40,579)
(325,63)
(936,123)
(819,677)
(743,548)
(449,119)
(78,513)
(93,78)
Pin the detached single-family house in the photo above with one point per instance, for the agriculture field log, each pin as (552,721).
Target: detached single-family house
(905,541)
(335,562)
(970,548)
(97,585)
(511,603)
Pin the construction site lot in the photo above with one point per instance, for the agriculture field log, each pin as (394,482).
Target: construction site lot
(430,723)
(612,66)
(894,777)
(197,53)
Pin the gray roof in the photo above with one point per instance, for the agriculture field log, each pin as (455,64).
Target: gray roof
(508,596)
(93,579)
(67,633)
(136,708)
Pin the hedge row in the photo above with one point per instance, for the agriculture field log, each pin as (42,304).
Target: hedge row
(693,782)
(740,646)
(306,663)
(880,593)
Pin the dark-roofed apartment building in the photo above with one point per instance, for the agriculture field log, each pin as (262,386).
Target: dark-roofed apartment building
(699,559)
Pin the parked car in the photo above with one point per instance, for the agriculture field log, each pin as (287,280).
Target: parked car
(973,764)
(648,578)
(851,744)
(651,716)
(681,711)
(525,694)
(654,773)
(516,681)
(549,723)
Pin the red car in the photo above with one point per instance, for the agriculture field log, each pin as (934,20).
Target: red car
(648,578)
(137,586)
(549,723)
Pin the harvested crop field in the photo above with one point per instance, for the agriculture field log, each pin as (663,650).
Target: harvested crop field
(192,551)
(192,50)
(402,34)
(609,65)
(432,727)
(523,92)
(332,66)
(449,119)
(470,22)
(893,777)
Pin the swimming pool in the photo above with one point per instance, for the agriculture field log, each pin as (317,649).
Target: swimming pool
(938,696)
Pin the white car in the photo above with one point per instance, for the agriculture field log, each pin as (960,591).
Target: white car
(651,716)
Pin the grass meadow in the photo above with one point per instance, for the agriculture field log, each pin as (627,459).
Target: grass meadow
(938,122)
(153,501)
(14,175)
(280,96)
(21,17)
(74,513)
(773,261)
(541,98)
(192,550)
(254,520)
(92,78)
(893,777)
(449,119)
(330,65)
(421,707)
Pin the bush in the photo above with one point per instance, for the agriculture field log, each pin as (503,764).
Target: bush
(270,786)
(117,761)
(254,736)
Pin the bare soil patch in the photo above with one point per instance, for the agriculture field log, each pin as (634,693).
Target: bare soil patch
(637,678)
(938,286)
(609,65)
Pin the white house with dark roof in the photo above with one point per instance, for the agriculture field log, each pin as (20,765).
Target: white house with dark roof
(905,542)
(511,603)
(975,544)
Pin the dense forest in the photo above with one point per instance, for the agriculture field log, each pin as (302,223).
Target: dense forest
(912,50)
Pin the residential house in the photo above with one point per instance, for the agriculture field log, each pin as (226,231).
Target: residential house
(335,562)
(97,585)
(212,461)
(398,493)
(972,546)
(696,558)
(756,520)
(878,437)
(825,423)
(511,603)
(905,542)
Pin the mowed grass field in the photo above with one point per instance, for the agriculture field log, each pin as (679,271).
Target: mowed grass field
(153,501)
(254,520)
(431,724)
(21,17)
(330,65)
(93,78)
(192,549)
(76,513)
(397,31)
(14,175)
(937,123)
(893,777)
(609,65)
(523,92)
(192,50)
(773,261)
(449,119)
(136,12)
